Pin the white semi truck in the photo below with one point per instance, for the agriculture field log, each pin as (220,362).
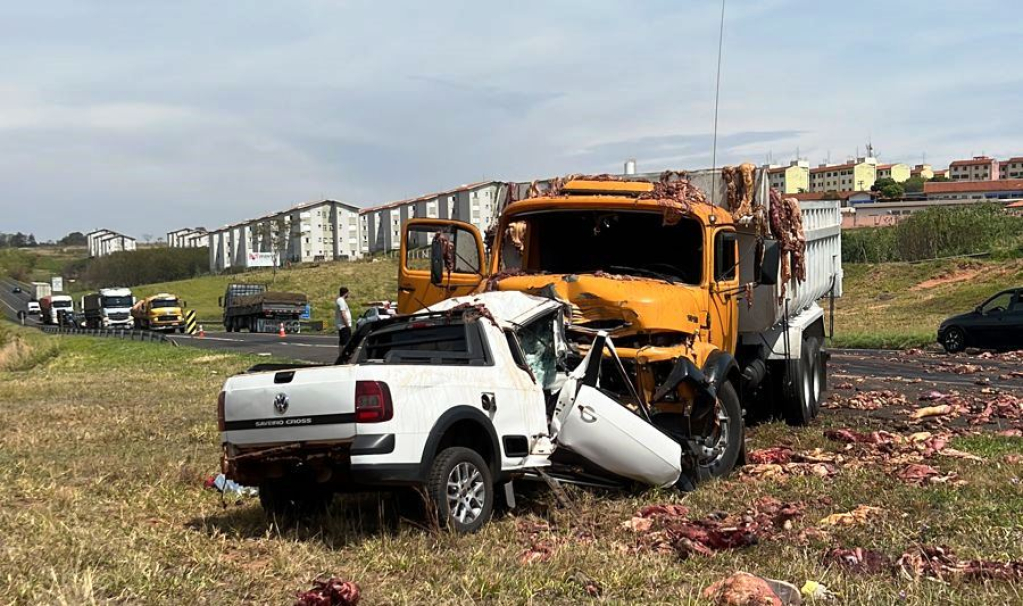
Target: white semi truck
(108,308)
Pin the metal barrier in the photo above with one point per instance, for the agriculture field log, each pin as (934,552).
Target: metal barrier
(133,335)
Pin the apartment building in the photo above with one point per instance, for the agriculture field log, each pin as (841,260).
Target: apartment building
(104,242)
(791,179)
(314,231)
(978,168)
(856,175)
(923,171)
(475,203)
(1011,169)
(900,173)
(188,237)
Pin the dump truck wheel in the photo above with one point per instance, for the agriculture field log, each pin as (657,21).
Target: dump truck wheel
(727,433)
(798,404)
(461,489)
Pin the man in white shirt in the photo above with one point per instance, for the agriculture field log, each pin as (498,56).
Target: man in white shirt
(343,318)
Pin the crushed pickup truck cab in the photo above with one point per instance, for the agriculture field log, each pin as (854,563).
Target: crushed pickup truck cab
(457,399)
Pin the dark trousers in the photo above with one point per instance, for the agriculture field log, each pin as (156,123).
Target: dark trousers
(344,335)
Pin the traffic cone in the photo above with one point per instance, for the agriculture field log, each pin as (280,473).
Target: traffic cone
(280,333)
(202,333)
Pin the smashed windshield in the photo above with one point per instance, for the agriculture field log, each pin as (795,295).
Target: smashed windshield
(538,346)
(635,243)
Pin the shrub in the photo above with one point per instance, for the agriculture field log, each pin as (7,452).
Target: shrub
(144,266)
(935,233)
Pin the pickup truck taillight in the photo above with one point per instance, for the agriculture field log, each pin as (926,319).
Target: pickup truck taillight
(221,424)
(372,402)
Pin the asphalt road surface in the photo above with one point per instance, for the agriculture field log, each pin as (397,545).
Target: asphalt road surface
(11,303)
(319,348)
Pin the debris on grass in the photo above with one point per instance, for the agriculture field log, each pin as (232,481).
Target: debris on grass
(589,585)
(672,531)
(743,589)
(332,592)
(859,560)
(919,474)
(941,563)
(812,590)
(861,515)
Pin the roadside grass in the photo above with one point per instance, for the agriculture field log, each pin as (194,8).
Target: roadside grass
(102,460)
(900,305)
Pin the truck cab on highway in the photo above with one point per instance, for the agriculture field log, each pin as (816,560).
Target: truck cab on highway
(51,306)
(108,308)
(161,311)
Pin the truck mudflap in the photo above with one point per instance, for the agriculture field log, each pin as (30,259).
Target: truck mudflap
(603,431)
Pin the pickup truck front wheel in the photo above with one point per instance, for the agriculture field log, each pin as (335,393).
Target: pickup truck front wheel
(461,489)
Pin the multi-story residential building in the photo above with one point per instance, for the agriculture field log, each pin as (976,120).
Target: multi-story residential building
(900,173)
(188,237)
(476,203)
(1011,169)
(922,170)
(791,179)
(979,168)
(856,175)
(314,231)
(104,241)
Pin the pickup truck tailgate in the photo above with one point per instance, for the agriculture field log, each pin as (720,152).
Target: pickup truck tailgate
(301,405)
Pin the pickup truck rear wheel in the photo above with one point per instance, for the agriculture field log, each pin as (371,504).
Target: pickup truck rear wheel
(462,489)
(293,499)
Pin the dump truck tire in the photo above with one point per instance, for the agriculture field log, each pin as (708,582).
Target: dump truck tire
(799,403)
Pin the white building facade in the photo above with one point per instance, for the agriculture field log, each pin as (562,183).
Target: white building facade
(103,242)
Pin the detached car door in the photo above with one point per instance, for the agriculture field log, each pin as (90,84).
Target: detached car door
(421,282)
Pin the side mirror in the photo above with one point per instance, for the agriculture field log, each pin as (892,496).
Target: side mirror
(440,242)
(767,272)
(978,310)
(184,304)
(220,301)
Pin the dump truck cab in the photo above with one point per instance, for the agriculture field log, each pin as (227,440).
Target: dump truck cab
(161,311)
(660,276)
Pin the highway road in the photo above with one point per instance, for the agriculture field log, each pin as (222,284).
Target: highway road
(10,302)
(322,349)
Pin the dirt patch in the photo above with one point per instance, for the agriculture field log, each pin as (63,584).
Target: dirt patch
(951,277)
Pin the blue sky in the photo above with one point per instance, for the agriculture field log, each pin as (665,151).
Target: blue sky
(144,116)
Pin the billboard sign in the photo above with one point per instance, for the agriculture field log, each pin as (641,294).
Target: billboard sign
(57,283)
(259,259)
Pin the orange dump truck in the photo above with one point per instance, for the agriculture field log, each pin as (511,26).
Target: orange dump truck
(707,283)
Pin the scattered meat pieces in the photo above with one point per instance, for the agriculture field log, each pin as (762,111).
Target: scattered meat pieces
(332,592)
(932,411)
(538,551)
(859,560)
(861,515)
(590,586)
(932,395)
(742,589)
(844,385)
(870,400)
(777,454)
(941,563)
(705,536)
(918,474)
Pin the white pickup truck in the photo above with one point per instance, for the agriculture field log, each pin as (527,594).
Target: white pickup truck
(456,399)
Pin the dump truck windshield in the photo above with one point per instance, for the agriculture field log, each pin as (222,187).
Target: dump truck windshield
(635,243)
(157,303)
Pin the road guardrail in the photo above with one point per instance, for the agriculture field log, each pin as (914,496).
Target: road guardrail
(113,333)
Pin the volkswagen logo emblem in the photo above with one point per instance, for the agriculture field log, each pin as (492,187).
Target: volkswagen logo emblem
(281,403)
